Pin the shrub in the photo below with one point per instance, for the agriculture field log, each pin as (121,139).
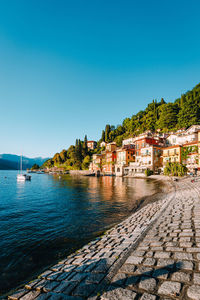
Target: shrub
(175,169)
(148,172)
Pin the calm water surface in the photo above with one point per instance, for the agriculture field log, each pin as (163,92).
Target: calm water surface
(44,220)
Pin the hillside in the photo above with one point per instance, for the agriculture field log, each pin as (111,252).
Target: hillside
(8,165)
(11,162)
(158,115)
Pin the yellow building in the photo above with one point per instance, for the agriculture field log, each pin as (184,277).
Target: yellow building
(171,154)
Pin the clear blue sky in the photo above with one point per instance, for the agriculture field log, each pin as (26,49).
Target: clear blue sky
(67,68)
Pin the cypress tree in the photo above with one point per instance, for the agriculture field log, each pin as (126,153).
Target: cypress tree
(162,101)
(182,100)
(107,131)
(85,147)
(103,136)
(79,150)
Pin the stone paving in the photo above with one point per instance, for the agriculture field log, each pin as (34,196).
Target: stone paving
(153,254)
(166,263)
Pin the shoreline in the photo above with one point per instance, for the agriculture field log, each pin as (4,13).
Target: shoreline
(143,202)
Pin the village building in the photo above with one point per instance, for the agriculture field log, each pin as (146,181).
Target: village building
(96,164)
(91,145)
(124,156)
(171,154)
(129,141)
(190,156)
(108,163)
(111,146)
(150,158)
(103,144)
(146,142)
(184,136)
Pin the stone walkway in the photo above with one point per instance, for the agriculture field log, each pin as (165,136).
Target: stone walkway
(166,264)
(153,254)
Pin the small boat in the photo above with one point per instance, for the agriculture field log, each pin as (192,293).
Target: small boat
(23,177)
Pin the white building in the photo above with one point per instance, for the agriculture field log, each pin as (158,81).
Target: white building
(129,141)
(103,144)
(184,137)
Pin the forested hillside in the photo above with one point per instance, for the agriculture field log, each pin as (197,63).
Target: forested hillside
(183,112)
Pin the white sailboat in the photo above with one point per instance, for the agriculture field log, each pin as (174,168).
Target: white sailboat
(21,176)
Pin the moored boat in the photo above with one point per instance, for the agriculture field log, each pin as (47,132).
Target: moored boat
(23,177)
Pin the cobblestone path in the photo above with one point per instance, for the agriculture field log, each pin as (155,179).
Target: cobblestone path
(166,264)
(153,254)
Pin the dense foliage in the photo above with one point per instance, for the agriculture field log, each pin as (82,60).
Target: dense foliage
(175,169)
(75,158)
(186,151)
(35,167)
(183,112)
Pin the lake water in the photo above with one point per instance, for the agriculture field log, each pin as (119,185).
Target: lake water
(44,220)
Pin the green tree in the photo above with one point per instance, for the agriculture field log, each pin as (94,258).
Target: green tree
(189,114)
(35,167)
(107,131)
(103,136)
(86,162)
(57,159)
(63,155)
(85,147)
(162,101)
(182,101)
(168,116)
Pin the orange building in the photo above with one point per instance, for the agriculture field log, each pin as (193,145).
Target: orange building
(124,156)
(108,164)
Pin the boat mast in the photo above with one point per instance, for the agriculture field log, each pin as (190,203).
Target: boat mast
(21,164)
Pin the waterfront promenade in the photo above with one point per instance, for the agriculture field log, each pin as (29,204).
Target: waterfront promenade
(153,254)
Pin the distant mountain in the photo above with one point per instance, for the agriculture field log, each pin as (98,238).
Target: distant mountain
(12,162)
(8,165)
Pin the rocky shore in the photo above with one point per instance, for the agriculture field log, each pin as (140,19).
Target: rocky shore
(153,254)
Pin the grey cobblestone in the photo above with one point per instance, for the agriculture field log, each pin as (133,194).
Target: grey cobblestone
(119,293)
(169,288)
(193,292)
(181,277)
(147,283)
(146,296)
